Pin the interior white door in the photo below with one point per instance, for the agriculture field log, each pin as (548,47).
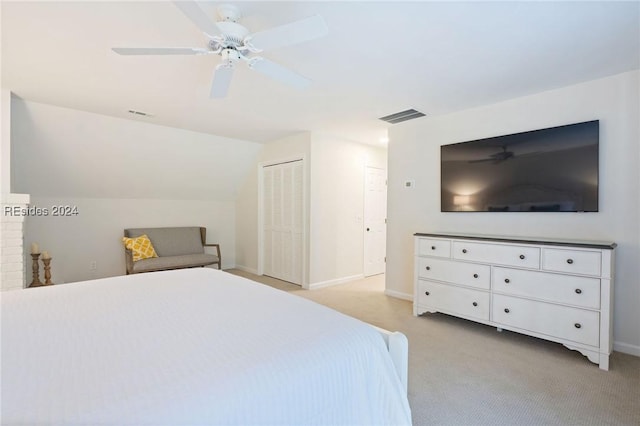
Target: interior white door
(283,221)
(375,221)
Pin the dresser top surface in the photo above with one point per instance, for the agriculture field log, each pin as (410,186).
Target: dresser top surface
(527,240)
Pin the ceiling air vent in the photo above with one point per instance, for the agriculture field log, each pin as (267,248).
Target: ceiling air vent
(398,117)
(144,114)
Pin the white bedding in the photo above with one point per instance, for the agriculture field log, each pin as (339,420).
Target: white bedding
(189,347)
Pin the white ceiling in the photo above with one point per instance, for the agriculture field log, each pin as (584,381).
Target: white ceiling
(379,58)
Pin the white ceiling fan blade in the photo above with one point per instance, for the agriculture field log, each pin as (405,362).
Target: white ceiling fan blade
(194,12)
(292,33)
(160,50)
(279,73)
(221,81)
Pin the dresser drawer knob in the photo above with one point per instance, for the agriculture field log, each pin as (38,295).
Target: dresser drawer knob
(464,250)
(569,261)
(578,291)
(426,293)
(506,310)
(475,275)
(433,247)
(578,325)
(522,256)
(475,303)
(428,268)
(507,280)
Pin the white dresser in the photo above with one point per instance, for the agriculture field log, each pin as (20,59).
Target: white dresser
(554,290)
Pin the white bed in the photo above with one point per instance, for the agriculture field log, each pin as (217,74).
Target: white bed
(191,347)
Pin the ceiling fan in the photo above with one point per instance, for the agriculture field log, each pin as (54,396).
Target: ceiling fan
(234,43)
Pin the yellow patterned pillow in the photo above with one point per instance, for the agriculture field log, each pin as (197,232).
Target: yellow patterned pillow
(141,247)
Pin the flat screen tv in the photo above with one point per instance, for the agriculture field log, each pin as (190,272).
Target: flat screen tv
(547,170)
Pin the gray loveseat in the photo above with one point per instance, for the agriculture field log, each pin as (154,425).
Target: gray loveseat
(176,247)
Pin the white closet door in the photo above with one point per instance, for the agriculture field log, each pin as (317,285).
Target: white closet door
(282,210)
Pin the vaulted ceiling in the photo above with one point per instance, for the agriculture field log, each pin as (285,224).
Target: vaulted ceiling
(378,58)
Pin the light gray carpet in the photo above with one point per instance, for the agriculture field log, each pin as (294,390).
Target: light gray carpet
(463,373)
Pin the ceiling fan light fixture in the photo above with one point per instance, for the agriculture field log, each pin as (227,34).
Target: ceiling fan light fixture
(230,57)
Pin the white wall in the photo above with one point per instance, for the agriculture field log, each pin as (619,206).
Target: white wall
(5,136)
(5,141)
(414,154)
(63,152)
(120,174)
(337,207)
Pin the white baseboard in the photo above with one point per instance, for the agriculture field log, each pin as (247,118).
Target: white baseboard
(626,348)
(245,269)
(399,295)
(336,281)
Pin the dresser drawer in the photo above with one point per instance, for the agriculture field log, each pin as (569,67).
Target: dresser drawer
(454,300)
(509,255)
(574,324)
(453,271)
(578,291)
(572,261)
(434,247)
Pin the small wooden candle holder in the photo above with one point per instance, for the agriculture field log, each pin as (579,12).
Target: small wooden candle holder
(36,273)
(47,271)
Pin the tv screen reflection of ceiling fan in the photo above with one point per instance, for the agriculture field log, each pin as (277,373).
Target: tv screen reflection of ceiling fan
(234,43)
(497,157)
